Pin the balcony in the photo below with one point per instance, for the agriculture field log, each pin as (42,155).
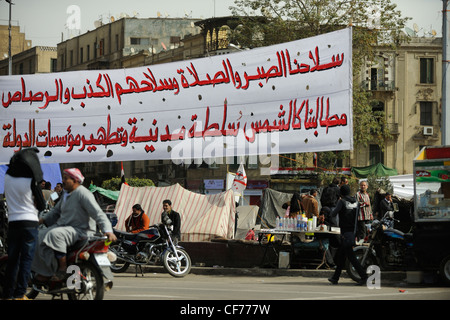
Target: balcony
(378,85)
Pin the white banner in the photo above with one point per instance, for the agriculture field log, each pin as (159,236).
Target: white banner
(287,98)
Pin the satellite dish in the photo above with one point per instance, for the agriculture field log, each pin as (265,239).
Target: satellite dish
(416,27)
(112,19)
(410,32)
(433,33)
(97,23)
(158,14)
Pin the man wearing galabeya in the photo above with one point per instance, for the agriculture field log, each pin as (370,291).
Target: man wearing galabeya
(74,217)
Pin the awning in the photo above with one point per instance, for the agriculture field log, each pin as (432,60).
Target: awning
(378,169)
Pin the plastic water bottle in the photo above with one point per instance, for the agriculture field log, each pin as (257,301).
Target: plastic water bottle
(277,223)
(298,226)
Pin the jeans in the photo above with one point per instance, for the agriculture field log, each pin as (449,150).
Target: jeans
(21,246)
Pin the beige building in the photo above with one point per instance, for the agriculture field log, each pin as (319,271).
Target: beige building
(408,85)
(123,43)
(35,60)
(18,41)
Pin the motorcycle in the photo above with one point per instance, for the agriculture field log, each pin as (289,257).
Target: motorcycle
(388,248)
(150,247)
(89,262)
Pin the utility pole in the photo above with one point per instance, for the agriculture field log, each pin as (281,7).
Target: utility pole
(445,129)
(9,48)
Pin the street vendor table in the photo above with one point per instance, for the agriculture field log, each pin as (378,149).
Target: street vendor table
(318,234)
(270,234)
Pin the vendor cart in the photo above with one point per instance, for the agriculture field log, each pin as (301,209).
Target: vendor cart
(431,236)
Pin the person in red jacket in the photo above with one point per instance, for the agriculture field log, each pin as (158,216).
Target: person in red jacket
(138,221)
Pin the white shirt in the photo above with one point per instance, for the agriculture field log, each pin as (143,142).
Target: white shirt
(19,199)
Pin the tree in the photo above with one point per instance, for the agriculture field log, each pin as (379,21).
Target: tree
(375,23)
(115,183)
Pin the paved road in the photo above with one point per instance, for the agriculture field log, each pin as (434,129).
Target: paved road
(161,286)
(217,287)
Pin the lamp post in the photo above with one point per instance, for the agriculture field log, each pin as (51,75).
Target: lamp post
(445,77)
(9,48)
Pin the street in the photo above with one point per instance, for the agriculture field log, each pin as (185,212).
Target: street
(193,287)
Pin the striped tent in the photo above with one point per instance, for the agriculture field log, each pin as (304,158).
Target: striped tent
(203,217)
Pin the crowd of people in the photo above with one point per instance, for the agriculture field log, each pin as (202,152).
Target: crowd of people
(338,208)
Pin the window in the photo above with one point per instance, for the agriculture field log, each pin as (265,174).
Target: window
(426,113)
(140,41)
(375,154)
(81,55)
(426,70)
(88,52)
(376,78)
(101,47)
(53,65)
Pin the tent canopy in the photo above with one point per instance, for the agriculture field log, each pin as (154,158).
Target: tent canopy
(378,169)
(271,207)
(246,221)
(203,217)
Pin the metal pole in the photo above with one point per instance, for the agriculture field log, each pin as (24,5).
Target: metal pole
(9,49)
(445,128)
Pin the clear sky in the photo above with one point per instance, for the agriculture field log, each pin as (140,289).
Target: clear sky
(44,21)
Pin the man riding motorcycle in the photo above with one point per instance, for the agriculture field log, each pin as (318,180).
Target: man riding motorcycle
(73,217)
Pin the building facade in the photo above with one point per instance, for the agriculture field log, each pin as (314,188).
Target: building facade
(18,41)
(114,45)
(407,83)
(39,59)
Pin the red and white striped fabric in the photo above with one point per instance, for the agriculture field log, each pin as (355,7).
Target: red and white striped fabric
(203,217)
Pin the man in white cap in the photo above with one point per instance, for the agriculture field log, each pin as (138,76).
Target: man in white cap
(73,217)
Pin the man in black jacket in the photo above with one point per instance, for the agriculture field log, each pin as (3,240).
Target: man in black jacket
(386,205)
(175,217)
(347,209)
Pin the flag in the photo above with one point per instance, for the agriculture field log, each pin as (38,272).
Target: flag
(122,174)
(240,181)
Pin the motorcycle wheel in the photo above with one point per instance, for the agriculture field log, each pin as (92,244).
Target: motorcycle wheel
(92,284)
(119,265)
(351,271)
(176,268)
(444,270)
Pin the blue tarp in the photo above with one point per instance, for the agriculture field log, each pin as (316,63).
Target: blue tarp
(52,173)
